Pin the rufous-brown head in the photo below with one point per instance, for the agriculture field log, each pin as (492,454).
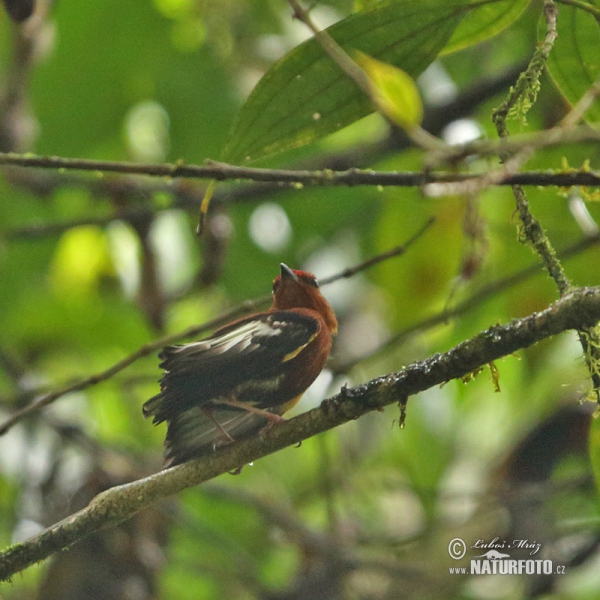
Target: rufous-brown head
(300,289)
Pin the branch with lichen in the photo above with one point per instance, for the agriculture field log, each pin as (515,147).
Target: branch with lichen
(323,177)
(578,309)
(526,88)
(519,100)
(524,93)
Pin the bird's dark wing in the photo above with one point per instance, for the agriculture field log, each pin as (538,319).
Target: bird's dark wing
(250,354)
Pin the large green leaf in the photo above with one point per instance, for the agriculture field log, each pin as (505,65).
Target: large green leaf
(574,63)
(484,22)
(306,96)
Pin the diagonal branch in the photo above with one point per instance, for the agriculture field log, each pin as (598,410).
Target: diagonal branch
(576,309)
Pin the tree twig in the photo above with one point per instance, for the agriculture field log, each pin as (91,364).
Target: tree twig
(145,350)
(575,310)
(418,136)
(349,177)
(464,307)
(525,86)
(585,103)
(375,260)
(532,230)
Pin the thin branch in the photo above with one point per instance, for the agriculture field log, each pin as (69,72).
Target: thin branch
(527,82)
(506,146)
(26,45)
(479,297)
(349,177)
(577,309)
(375,260)
(525,91)
(187,196)
(525,86)
(584,104)
(40,230)
(418,136)
(479,183)
(145,350)
(148,349)
(335,51)
(435,184)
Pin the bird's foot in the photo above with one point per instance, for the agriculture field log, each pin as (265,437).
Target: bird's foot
(271,417)
(226,439)
(270,423)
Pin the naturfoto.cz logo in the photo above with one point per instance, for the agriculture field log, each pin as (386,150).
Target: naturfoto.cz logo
(495,562)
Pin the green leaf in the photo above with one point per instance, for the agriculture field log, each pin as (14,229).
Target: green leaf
(394,92)
(306,96)
(574,63)
(484,22)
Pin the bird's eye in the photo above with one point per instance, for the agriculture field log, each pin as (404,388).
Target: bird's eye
(309,279)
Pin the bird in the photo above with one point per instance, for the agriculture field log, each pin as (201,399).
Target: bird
(240,380)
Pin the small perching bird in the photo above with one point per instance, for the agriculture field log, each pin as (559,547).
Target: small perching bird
(242,378)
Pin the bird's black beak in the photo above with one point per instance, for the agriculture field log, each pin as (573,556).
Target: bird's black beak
(287,273)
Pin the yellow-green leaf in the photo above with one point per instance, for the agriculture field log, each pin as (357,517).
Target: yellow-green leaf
(393,91)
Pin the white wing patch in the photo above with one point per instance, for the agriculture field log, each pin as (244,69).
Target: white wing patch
(244,336)
(240,338)
(193,346)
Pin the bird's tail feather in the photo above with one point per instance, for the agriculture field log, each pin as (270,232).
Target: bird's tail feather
(194,433)
(152,408)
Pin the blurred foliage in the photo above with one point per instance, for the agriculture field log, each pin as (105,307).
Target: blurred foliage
(90,271)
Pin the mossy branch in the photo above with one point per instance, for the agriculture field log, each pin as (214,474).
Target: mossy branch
(580,308)
(520,98)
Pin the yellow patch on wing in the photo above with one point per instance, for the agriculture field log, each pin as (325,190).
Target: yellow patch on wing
(283,408)
(299,349)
